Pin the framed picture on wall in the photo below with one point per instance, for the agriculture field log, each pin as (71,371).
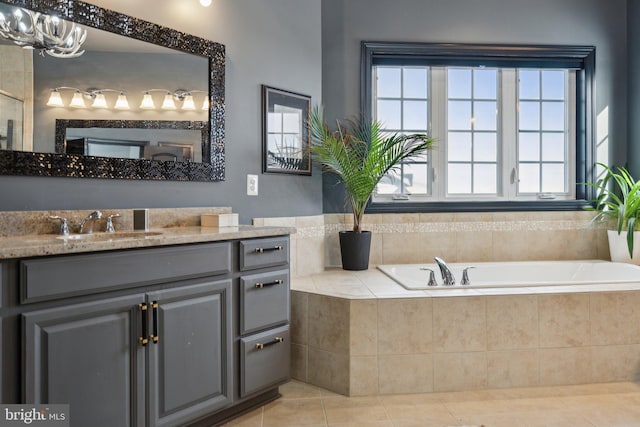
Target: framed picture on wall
(285,132)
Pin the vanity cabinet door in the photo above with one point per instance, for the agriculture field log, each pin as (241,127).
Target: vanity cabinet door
(86,355)
(189,365)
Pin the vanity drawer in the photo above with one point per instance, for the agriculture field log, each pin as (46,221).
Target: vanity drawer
(44,279)
(264,300)
(264,360)
(263,253)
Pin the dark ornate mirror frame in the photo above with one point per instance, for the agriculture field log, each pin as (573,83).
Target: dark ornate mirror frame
(68,165)
(62,126)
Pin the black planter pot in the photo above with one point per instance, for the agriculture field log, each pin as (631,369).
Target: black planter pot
(354,249)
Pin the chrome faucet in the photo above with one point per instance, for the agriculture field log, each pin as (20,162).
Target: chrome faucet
(89,219)
(447,275)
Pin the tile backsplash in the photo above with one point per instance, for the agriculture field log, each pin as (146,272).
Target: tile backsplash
(456,237)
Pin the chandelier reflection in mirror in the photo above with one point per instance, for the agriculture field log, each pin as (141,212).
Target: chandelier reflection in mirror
(45,33)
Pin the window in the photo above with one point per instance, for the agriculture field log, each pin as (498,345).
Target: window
(512,124)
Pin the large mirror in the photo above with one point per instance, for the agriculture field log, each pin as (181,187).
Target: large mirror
(104,113)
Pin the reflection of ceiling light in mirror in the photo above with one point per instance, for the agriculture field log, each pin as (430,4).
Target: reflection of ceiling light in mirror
(55,100)
(167,103)
(147,102)
(122,103)
(205,104)
(77,101)
(188,103)
(99,101)
(205,3)
(46,33)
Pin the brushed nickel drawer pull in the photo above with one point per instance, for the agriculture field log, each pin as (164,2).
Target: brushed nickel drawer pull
(261,285)
(276,340)
(273,249)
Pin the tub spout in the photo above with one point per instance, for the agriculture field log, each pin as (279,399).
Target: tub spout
(447,275)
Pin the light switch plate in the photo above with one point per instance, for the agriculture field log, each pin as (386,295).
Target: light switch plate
(252,185)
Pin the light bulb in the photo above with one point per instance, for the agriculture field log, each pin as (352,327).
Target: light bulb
(77,101)
(147,102)
(55,100)
(205,104)
(99,101)
(188,103)
(122,103)
(167,103)
(205,3)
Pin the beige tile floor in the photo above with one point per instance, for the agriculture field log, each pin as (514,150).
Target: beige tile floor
(593,405)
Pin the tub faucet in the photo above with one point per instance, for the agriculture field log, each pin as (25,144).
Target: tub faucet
(89,219)
(447,275)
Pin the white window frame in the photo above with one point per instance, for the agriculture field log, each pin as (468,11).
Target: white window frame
(507,142)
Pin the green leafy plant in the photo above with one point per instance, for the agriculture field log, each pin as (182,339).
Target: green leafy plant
(360,153)
(617,200)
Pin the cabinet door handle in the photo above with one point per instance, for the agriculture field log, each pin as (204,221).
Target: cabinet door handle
(143,318)
(276,340)
(273,249)
(261,285)
(154,311)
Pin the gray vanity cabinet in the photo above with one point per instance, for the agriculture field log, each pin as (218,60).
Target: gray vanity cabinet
(157,337)
(87,355)
(188,353)
(107,358)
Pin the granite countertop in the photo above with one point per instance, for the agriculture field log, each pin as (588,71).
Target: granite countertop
(48,244)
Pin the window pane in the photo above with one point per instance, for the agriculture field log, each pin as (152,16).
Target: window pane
(553,147)
(459,115)
(415,83)
(459,147)
(415,178)
(459,83)
(275,142)
(389,184)
(553,116)
(553,84)
(529,85)
(485,147)
(553,178)
(529,118)
(415,115)
(290,123)
(389,114)
(388,82)
(485,115)
(274,122)
(459,178)
(485,180)
(485,84)
(529,147)
(529,178)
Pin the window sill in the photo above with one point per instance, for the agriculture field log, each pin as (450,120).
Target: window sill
(405,207)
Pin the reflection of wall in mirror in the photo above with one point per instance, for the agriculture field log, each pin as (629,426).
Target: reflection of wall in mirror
(16,69)
(133,73)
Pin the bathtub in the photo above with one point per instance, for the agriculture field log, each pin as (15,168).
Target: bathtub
(522,273)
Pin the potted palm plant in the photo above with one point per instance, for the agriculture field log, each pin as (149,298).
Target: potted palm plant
(618,202)
(360,153)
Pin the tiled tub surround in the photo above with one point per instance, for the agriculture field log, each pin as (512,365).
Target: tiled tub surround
(359,333)
(455,237)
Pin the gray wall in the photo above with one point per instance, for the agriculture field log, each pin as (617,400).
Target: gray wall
(582,22)
(275,42)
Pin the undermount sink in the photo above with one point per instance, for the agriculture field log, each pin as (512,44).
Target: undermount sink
(110,236)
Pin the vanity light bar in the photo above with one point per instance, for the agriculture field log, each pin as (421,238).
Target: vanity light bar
(122,103)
